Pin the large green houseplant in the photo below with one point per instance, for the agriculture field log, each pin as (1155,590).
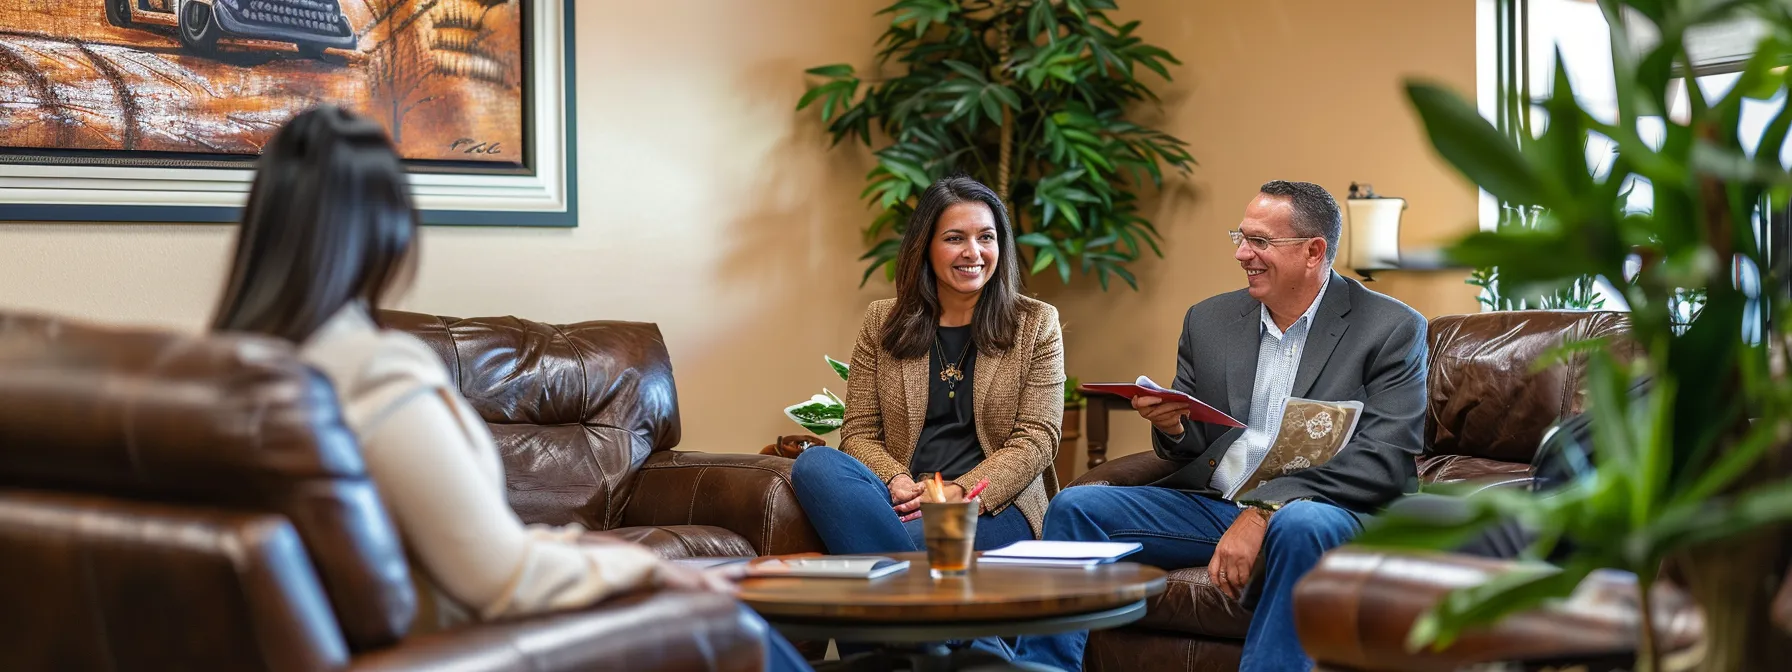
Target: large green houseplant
(1027,96)
(1694,472)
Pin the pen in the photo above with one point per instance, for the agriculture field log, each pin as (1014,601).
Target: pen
(981,484)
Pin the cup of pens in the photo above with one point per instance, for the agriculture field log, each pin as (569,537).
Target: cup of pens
(949,529)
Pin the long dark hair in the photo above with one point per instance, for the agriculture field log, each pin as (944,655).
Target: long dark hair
(909,330)
(329,221)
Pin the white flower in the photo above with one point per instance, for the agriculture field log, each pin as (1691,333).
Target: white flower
(1319,425)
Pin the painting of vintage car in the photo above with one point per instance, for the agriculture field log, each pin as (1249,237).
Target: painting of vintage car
(310,25)
(208,80)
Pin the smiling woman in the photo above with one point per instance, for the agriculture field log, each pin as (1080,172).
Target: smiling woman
(958,378)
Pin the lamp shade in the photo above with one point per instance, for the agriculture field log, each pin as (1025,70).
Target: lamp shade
(1372,234)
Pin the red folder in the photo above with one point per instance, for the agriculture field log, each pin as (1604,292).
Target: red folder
(1197,410)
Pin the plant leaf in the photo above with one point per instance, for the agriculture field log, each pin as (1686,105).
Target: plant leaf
(1516,589)
(836,70)
(1475,148)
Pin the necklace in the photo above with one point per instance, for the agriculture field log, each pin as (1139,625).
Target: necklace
(950,372)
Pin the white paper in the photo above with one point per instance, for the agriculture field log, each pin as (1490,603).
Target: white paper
(1065,550)
(1146,382)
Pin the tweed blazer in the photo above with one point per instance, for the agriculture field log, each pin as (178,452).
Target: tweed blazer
(1018,406)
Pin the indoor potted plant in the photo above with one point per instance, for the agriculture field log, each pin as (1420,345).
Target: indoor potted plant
(1027,96)
(1693,470)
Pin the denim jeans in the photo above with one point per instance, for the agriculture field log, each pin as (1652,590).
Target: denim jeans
(850,509)
(780,656)
(1180,529)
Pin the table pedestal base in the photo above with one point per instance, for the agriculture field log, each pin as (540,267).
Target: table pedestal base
(926,658)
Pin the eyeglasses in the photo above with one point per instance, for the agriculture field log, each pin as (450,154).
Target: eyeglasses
(1260,243)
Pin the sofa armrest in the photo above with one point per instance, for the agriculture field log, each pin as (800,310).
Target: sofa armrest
(1476,470)
(749,495)
(1354,610)
(1135,469)
(645,631)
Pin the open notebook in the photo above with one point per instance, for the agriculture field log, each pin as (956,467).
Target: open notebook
(1060,553)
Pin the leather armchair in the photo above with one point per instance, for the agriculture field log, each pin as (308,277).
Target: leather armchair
(1488,411)
(586,417)
(169,501)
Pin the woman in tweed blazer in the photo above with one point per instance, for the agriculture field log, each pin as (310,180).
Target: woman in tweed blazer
(958,375)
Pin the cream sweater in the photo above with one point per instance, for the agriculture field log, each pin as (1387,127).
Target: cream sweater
(439,474)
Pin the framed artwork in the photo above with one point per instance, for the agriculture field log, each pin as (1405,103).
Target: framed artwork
(155,110)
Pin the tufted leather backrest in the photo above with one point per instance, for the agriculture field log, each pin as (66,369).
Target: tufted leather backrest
(1486,400)
(574,408)
(233,424)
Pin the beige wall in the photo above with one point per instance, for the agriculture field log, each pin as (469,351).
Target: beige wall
(711,208)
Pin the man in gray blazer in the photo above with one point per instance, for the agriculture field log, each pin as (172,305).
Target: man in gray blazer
(1299,330)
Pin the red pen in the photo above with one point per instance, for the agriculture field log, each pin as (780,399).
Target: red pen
(981,484)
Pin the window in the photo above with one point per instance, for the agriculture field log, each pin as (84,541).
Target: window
(1518,41)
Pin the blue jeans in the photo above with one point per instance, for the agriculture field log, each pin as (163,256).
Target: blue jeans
(1180,529)
(850,509)
(780,656)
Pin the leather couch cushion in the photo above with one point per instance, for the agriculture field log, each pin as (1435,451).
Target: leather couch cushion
(1485,399)
(236,421)
(1357,606)
(669,631)
(1191,604)
(97,583)
(686,541)
(1136,649)
(574,408)
(1456,468)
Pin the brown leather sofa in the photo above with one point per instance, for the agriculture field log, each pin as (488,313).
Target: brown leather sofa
(172,502)
(586,416)
(1487,414)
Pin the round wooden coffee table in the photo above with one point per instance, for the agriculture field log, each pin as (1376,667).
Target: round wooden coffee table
(912,607)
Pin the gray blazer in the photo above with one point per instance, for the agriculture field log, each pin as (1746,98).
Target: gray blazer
(1362,346)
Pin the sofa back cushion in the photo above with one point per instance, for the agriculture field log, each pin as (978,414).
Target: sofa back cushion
(575,409)
(1486,399)
(226,423)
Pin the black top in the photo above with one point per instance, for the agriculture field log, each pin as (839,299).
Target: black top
(948,442)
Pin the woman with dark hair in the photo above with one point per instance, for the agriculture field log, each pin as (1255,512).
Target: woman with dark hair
(959,375)
(327,234)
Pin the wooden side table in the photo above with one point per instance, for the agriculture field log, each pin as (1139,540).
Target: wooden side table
(913,608)
(1095,423)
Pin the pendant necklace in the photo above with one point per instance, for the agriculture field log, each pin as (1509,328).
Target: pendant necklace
(950,372)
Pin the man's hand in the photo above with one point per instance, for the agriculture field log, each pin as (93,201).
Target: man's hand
(716,579)
(1236,554)
(1166,416)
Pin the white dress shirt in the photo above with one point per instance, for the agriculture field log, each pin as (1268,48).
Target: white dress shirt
(1278,360)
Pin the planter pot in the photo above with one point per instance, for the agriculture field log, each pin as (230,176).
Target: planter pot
(1734,583)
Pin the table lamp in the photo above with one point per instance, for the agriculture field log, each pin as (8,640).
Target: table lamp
(1371,240)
